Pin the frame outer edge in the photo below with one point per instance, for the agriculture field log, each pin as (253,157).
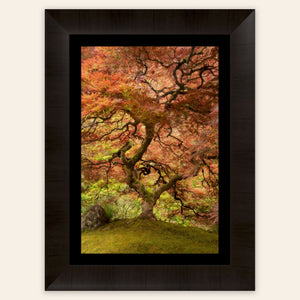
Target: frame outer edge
(242,144)
(59,274)
(56,150)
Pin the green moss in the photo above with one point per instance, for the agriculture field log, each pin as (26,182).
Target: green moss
(147,236)
(148,196)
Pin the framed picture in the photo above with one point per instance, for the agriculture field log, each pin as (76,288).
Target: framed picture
(149,150)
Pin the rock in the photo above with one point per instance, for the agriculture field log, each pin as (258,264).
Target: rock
(93,218)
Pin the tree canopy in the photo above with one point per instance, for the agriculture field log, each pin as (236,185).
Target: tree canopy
(149,121)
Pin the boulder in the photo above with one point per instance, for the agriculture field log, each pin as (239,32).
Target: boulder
(93,218)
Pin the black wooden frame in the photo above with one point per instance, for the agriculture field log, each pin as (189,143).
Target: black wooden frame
(240,273)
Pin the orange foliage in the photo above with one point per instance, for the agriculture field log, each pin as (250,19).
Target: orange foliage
(172,91)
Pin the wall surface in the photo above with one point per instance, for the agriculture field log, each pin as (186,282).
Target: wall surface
(22,148)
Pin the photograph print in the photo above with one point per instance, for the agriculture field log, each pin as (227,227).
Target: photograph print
(150,150)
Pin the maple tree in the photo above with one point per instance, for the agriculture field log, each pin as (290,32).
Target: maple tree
(149,118)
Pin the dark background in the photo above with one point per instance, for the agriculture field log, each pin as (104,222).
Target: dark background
(76,41)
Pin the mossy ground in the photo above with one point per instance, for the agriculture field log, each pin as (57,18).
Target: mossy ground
(147,236)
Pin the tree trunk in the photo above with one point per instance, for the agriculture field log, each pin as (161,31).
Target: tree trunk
(147,210)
